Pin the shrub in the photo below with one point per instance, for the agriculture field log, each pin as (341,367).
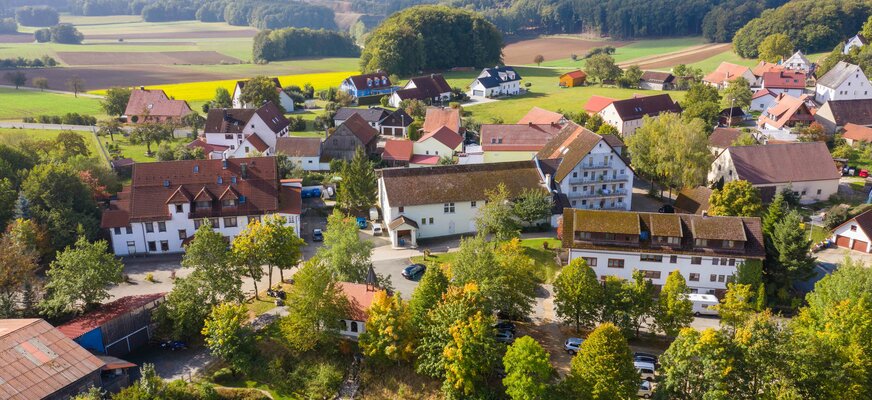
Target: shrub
(223,376)
(42,35)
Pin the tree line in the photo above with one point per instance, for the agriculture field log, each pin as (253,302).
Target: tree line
(271,45)
(37,16)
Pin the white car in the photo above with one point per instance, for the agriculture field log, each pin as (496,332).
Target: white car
(376,229)
(645,390)
(646,370)
(572,344)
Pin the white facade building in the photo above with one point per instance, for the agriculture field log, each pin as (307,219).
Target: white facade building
(240,131)
(497,81)
(857,41)
(843,82)
(168,201)
(797,62)
(236,100)
(428,202)
(853,233)
(626,115)
(706,250)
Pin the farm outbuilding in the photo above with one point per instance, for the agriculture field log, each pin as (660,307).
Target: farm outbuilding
(116,328)
(573,79)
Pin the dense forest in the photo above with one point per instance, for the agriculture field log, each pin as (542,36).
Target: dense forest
(280,44)
(426,38)
(812,25)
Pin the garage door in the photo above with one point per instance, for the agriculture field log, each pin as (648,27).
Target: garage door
(860,245)
(478,93)
(843,241)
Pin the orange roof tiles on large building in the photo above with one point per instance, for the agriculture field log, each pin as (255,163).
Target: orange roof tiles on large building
(787,110)
(726,72)
(542,116)
(155,103)
(438,117)
(517,137)
(597,103)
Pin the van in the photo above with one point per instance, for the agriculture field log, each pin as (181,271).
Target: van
(646,370)
(703,304)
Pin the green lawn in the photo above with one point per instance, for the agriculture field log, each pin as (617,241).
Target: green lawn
(12,137)
(635,50)
(137,151)
(17,104)
(818,234)
(533,248)
(544,93)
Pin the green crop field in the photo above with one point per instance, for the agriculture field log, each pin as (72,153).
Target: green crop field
(635,50)
(12,137)
(30,103)
(544,93)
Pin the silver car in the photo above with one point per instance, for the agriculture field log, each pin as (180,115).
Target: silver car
(646,370)
(572,344)
(505,337)
(645,390)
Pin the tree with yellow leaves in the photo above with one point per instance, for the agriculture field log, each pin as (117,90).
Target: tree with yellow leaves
(389,332)
(246,251)
(469,356)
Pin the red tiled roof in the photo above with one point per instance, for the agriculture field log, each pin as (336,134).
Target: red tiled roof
(257,142)
(118,213)
(444,135)
(207,148)
(438,117)
(359,297)
(299,146)
(786,109)
(577,74)
(38,360)
(723,137)
(422,159)
(156,103)
(538,115)
(858,132)
(762,92)
(290,200)
(638,107)
(725,72)
(360,128)
(107,312)
(517,137)
(398,150)
(784,80)
(763,67)
(597,103)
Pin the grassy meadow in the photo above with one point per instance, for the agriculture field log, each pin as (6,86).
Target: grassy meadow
(13,137)
(17,104)
(635,50)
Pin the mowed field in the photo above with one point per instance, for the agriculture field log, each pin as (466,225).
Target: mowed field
(16,104)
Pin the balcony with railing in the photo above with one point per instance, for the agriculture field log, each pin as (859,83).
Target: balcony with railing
(598,179)
(596,165)
(597,194)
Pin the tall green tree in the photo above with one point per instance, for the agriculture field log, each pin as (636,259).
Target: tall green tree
(631,77)
(528,370)
(246,250)
(702,102)
(78,278)
(577,295)
(259,90)
(110,127)
(19,271)
(358,190)
(182,315)
(343,252)
(427,294)
(603,368)
(390,334)
(208,256)
(737,199)
(700,365)
(222,98)
(281,245)
(228,336)
(737,94)
(737,306)
(469,356)
(775,47)
(115,100)
(601,68)
(316,306)
(533,206)
(458,304)
(792,243)
(496,216)
(149,133)
(674,310)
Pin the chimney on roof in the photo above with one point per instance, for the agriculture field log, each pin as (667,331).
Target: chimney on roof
(243,170)
(530,123)
(142,88)
(223,160)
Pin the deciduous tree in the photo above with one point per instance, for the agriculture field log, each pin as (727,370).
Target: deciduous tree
(76,85)
(228,336)
(79,276)
(207,255)
(316,306)
(17,78)
(603,368)
(247,250)
(775,47)
(343,252)
(115,100)
(150,132)
(532,206)
(674,310)
(539,59)
(259,90)
(601,67)
(18,271)
(469,356)
(40,83)
(736,307)
(528,370)
(737,199)
(390,334)
(281,246)
(427,294)
(577,295)
(110,127)
(458,304)
(737,94)
(496,216)
(358,190)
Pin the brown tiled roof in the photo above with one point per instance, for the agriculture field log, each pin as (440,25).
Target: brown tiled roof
(154,183)
(571,145)
(118,213)
(106,313)
(864,221)
(615,222)
(444,135)
(227,120)
(761,93)
(290,200)
(542,116)
(400,221)
(857,132)
(597,103)
(693,200)
(372,114)
(273,117)
(851,111)
(431,85)
(398,150)
(725,72)
(207,148)
(454,183)
(665,225)
(784,80)
(724,137)
(180,196)
(638,107)
(517,137)
(763,67)
(299,146)
(784,163)
(747,230)
(38,360)
(613,140)
(360,128)
(359,299)
(657,77)
(360,80)
(156,103)
(257,142)
(438,117)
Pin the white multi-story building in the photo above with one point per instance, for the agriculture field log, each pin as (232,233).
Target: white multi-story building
(857,40)
(167,202)
(626,115)
(585,168)
(236,132)
(497,81)
(843,82)
(798,62)
(706,250)
(429,202)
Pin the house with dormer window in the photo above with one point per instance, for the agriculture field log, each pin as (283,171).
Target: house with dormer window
(166,202)
(375,84)
(237,132)
(626,115)
(496,81)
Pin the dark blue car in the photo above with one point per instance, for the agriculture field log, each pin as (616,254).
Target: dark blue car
(413,270)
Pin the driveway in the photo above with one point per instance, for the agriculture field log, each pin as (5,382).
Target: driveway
(476,100)
(172,365)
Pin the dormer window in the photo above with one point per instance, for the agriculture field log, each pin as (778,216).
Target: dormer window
(729,244)
(228,203)
(204,204)
(701,242)
(220,180)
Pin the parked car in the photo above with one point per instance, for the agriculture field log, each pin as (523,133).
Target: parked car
(413,270)
(645,390)
(572,344)
(666,209)
(317,235)
(503,325)
(174,345)
(645,357)
(376,229)
(646,370)
(505,337)
(703,304)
